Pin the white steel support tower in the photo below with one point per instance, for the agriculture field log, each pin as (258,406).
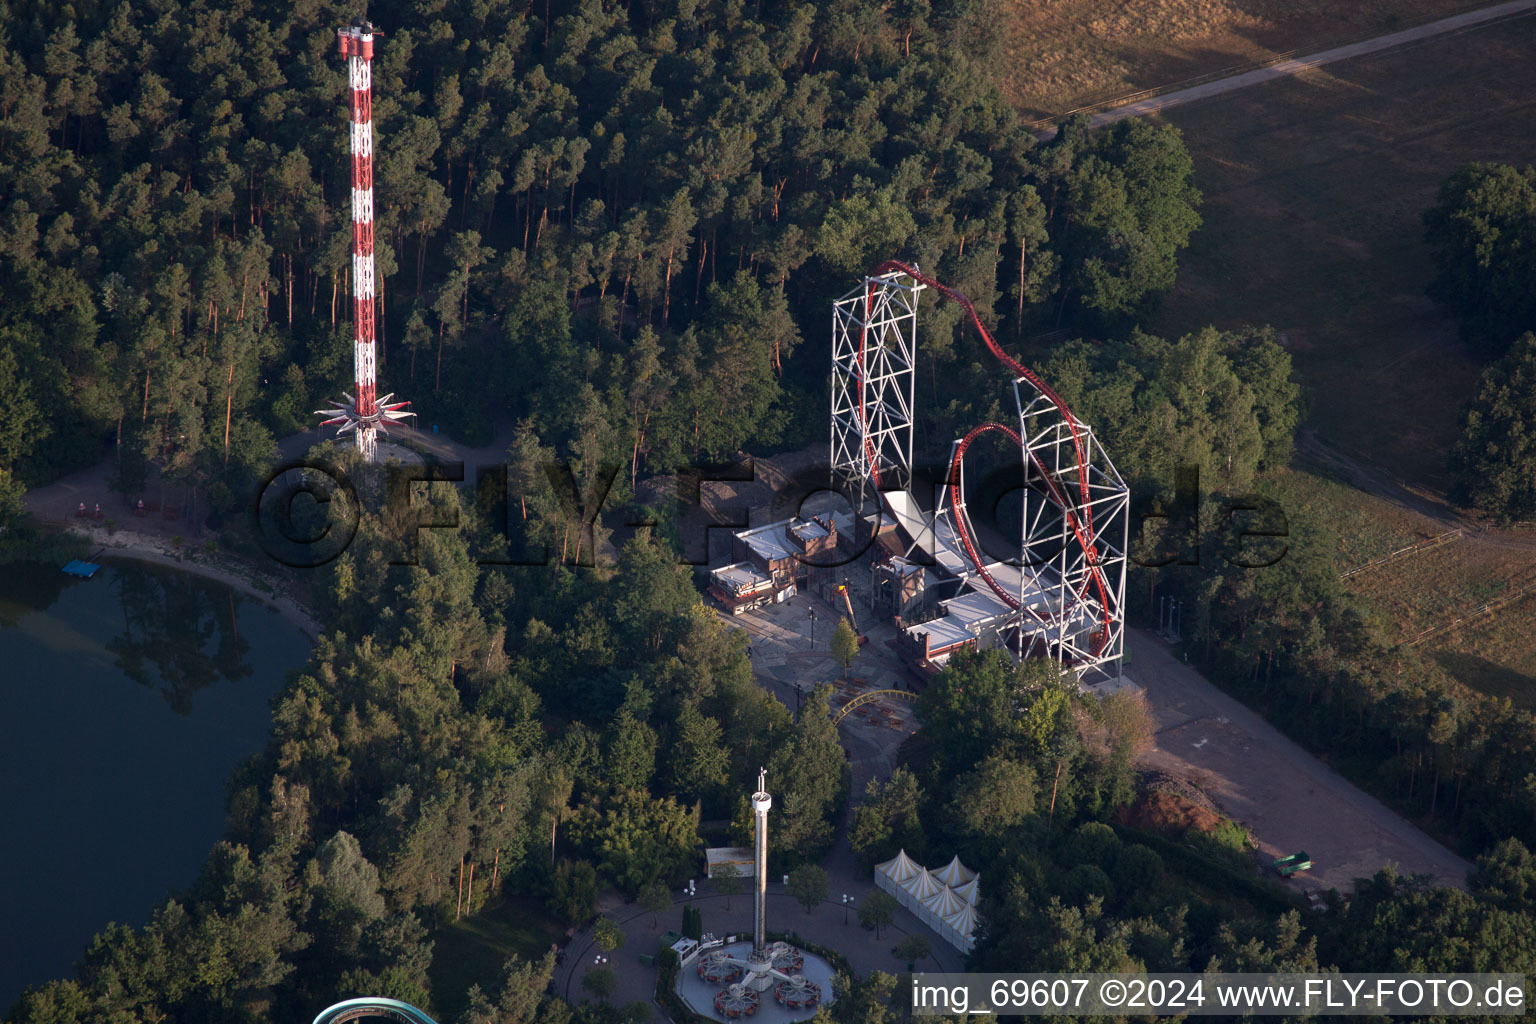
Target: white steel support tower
(363,412)
(874,362)
(1088,560)
(1067,584)
(1065,591)
(761,802)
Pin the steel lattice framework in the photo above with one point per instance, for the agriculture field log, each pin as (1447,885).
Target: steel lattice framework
(363,412)
(874,360)
(1066,589)
(1069,594)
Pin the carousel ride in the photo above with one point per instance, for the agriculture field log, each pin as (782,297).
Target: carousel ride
(744,972)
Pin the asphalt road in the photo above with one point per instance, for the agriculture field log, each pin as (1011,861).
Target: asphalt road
(1287,798)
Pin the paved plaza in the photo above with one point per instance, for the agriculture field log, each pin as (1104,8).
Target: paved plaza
(829,925)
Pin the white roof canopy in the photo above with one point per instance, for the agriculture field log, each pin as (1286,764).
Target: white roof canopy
(944,903)
(900,868)
(923,885)
(954,873)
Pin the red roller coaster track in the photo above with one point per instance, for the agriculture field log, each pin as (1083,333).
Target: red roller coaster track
(1082,526)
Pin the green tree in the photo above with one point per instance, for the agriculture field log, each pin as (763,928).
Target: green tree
(911,949)
(698,761)
(599,981)
(347,878)
(1506,877)
(22,423)
(878,910)
(1482,235)
(997,796)
(845,645)
(862,230)
(727,880)
(888,818)
(573,891)
(655,896)
(1038,265)
(808,885)
(812,763)
(1130,207)
(636,838)
(1494,462)
(631,759)
(607,934)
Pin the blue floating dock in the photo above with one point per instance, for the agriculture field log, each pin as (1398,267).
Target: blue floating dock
(85,570)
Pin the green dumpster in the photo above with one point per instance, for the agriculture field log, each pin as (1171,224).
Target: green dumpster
(1288,866)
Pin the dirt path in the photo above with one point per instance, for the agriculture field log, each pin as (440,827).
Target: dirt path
(1372,479)
(1297,65)
(1257,776)
(1310,448)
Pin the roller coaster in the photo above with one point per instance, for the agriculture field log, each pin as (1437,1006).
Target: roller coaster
(1067,588)
(373,1006)
(870,697)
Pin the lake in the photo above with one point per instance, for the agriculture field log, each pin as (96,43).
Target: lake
(126,701)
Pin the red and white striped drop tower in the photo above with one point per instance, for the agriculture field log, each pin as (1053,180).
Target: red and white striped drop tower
(362,412)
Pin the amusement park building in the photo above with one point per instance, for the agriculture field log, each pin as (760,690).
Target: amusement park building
(772,563)
(944,900)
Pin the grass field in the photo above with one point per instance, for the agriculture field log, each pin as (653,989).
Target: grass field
(474,950)
(1063,54)
(1423,590)
(1364,528)
(1314,189)
(1495,655)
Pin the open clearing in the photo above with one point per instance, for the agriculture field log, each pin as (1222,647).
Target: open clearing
(1495,654)
(1314,189)
(1064,54)
(1287,798)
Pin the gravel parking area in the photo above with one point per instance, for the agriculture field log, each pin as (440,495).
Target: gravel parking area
(1286,797)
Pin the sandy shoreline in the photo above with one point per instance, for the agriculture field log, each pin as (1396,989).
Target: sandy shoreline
(141,547)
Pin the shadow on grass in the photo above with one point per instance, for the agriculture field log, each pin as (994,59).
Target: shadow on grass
(1490,678)
(474,951)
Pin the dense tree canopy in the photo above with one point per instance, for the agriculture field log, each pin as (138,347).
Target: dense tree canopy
(1220,401)
(643,208)
(619,226)
(1482,232)
(1495,460)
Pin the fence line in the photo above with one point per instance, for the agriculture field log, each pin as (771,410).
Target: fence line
(1486,609)
(1424,545)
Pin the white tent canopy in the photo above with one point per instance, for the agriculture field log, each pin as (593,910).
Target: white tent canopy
(954,873)
(961,925)
(944,904)
(923,885)
(944,900)
(899,868)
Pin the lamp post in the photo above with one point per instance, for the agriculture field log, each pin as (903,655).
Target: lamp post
(847,902)
(813,628)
